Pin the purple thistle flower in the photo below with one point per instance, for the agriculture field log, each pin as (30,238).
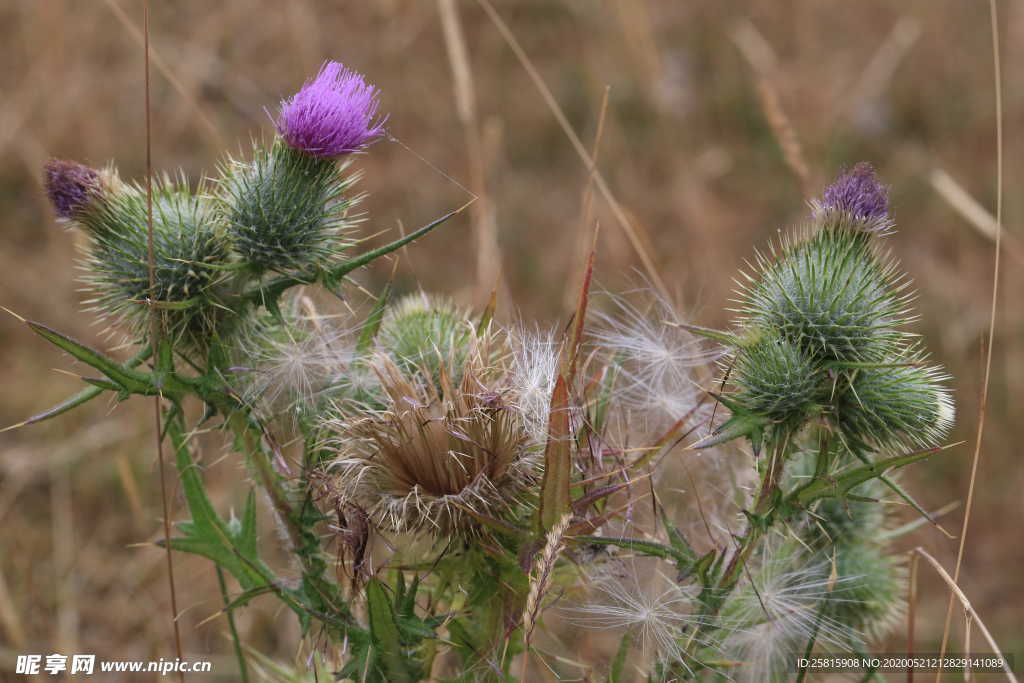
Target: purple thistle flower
(858,193)
(333,114)
(70,186)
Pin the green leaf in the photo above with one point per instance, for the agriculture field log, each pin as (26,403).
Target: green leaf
(385,633)
(839,485)
(650,548)
(130,380)
(619,663)
(373,321)
(82,397)
(677,540)
(555,500)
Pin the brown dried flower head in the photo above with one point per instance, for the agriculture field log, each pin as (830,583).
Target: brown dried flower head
(436,458)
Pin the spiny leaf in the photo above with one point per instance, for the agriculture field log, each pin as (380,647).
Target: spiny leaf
(650,548)
(385,632)
(619,663)
(488,313)
(129,380)
(555,500)
(372,324)
(841,484)
(82,397)
(572,349)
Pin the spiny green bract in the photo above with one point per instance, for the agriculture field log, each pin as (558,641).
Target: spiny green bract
(895,405)
(420,332)
(286,210)
(189,248)
(869,595)
(830,293)
(776,379)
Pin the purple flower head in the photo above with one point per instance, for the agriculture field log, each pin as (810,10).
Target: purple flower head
(333,114)
(858,193)
(70,186)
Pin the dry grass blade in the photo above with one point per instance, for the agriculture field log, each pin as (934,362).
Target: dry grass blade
(483,211)
(972,211)
(968,609)
(983,402)
(602,185)
(208,127)
(154,318)
(762,60)
(540,581)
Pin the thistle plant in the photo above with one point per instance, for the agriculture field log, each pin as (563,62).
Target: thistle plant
(455,484)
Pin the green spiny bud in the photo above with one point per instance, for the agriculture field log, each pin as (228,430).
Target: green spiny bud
(830,293)
(868,596)
(421,332)
(189,250)
(776,379)
(287,210)
(894,405)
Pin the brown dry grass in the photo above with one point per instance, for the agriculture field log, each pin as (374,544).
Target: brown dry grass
(697,104)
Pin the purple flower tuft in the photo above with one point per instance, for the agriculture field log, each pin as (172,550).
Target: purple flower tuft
(858,193)
(333,114)
(70,186)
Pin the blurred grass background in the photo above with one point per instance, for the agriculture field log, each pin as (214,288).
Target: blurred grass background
(700,94)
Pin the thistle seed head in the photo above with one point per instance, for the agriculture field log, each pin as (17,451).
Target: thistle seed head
(533,372)
(333,114)
(431,459)
(777,608)
(661,365)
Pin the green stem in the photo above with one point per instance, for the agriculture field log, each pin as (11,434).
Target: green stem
(236,641)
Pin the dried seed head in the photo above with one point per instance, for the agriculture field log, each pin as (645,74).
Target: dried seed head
(432,459)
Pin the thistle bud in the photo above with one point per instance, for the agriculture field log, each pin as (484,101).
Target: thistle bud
(71,186)
(777,380)
(831,294)
(856,201)
(420,332)
(891,406)
(189,249)
(286,210)
(332,114)
(869,594)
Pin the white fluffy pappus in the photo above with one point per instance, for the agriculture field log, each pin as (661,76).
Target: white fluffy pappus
(659,360)
(533,370)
